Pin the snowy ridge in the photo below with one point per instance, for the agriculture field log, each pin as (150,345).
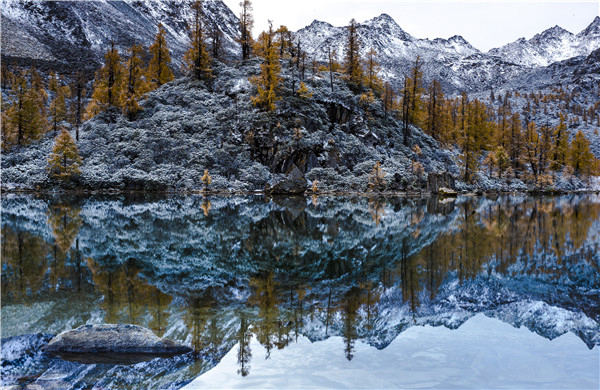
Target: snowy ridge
(552,45)
(81,31)
(453,61)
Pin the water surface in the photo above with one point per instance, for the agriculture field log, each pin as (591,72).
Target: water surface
(268,291)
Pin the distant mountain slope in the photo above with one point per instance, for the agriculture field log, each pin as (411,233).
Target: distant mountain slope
(455,62)
(552,45)
(77,32)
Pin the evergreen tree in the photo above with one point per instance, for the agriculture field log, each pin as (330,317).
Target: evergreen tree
(353,69)
(268,80)
(108,85)
(135,83)
(64,161)
(246,24)
(196,60)
(159,71)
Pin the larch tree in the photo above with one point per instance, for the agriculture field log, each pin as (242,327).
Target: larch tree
(372,68)
(435,107)
(216,40)
(332,65)
(58,104)
(580,156)
(135,82)
(197,61)
(268,80)
(24,116)
(64,161)
(352,65)
(560,148)
(284,41)
(416,91)
(108,85)
(159,70)
(77,105)
(246,24)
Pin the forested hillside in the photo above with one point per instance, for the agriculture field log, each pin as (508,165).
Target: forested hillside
(273,114)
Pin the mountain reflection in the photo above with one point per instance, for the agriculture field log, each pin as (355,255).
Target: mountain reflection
(216,273)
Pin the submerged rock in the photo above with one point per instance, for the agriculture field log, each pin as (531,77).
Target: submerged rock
(112,343)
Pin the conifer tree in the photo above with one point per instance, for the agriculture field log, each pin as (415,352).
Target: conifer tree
(284,41)
(135,82)
(332,65)
(216,38)
(197,60)
(159,71)
(435,114)
(561,145)
(353,69)
(64,161)
(580,156)
(39,93)
(416,91)
(108,85)
(268,80)
(25,120)
(372,67)
(58,105)
(246,24)
(78,92)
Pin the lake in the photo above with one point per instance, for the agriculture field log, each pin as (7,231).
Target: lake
(333,292)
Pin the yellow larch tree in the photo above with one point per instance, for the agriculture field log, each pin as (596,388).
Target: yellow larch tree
(159,71)
(64,161)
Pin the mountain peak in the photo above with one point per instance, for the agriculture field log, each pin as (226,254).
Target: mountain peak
(553,32)
(387,25)
(593,28)
(319,24)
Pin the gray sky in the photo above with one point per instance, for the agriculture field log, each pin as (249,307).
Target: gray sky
(485,24)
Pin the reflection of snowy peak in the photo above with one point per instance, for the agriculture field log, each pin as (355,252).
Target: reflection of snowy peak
(81,31)
(554,44)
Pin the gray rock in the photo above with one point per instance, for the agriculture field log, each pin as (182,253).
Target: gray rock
(290,186)
(113,339)
(435,181)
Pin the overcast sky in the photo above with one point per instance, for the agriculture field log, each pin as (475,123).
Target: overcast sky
(485,24)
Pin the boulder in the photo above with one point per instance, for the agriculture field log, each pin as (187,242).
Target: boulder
(290,186)
(447,192)
(435,181)
(99,343)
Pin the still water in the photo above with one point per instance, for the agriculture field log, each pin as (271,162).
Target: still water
(301,293)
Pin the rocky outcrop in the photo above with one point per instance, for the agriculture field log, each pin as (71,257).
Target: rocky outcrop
(111,340)
(436,181)
(290,186)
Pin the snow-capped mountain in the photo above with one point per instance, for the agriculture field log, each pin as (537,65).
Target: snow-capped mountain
(79,32)
(552,45)
(453,61)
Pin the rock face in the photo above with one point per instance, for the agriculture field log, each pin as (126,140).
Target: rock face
(113,339)
(435,181)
